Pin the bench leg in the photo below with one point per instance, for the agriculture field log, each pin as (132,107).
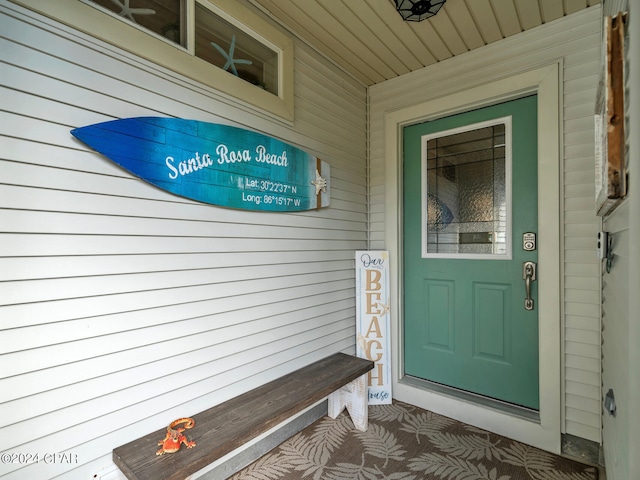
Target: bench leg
(353,396)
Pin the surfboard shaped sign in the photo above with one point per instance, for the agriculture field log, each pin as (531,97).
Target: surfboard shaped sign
(212,163)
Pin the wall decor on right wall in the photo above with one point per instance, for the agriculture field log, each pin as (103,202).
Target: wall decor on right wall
(611,172)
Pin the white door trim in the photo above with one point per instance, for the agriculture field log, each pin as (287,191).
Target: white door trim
(545,81)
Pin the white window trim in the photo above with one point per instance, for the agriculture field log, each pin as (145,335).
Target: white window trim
(95,22)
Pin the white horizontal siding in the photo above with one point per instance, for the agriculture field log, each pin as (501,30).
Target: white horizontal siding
(620,286)
(618,342)
(576,41)
(124,307)
(582,343)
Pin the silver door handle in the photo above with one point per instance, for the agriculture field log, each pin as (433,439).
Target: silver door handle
(528,275)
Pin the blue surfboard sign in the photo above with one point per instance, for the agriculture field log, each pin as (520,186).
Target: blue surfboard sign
(212,163)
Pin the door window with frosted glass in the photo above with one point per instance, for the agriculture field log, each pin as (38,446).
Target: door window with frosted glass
(466,192)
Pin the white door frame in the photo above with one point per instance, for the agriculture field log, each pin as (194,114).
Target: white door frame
(545,82)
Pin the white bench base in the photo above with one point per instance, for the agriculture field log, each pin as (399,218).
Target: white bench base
(353,397)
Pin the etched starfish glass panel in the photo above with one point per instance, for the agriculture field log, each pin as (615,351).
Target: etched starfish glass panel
(227,46)
(164,17)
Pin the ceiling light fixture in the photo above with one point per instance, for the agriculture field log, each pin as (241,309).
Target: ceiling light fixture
(418,10)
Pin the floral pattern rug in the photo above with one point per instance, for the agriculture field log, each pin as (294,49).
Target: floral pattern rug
(404,442)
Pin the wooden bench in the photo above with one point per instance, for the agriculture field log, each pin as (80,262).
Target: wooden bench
(229,425)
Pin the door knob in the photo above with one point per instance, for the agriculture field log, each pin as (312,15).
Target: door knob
(528,275)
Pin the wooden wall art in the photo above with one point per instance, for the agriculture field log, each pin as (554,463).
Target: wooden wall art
(211,163)
(373,325)
(611,181)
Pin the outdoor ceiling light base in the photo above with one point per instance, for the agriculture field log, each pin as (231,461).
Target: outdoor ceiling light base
(418,10)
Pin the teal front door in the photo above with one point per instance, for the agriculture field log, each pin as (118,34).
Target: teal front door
(470,252)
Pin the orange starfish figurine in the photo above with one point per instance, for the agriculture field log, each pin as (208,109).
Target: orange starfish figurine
(175,438)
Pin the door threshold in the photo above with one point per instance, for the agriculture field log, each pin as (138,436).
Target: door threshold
(518,411)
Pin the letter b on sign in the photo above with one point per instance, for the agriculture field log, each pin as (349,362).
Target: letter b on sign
(373,280)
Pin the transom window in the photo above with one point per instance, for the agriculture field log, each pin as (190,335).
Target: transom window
(466,192)
(207,35)
(226,46)
(164,17)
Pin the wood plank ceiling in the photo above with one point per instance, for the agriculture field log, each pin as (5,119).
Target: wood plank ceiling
(372,42)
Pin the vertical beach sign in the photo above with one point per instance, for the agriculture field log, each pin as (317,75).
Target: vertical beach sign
(372,321)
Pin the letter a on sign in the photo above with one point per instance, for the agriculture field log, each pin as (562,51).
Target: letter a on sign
(372,322)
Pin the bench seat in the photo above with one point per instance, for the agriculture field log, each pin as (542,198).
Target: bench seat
(229,425)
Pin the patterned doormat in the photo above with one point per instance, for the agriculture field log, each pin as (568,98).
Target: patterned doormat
(404,442)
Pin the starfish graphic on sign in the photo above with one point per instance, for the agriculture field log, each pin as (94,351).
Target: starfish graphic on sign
(384,308)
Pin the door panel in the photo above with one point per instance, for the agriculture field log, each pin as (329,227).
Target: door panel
(438,303)
(491,325)
(465,324)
